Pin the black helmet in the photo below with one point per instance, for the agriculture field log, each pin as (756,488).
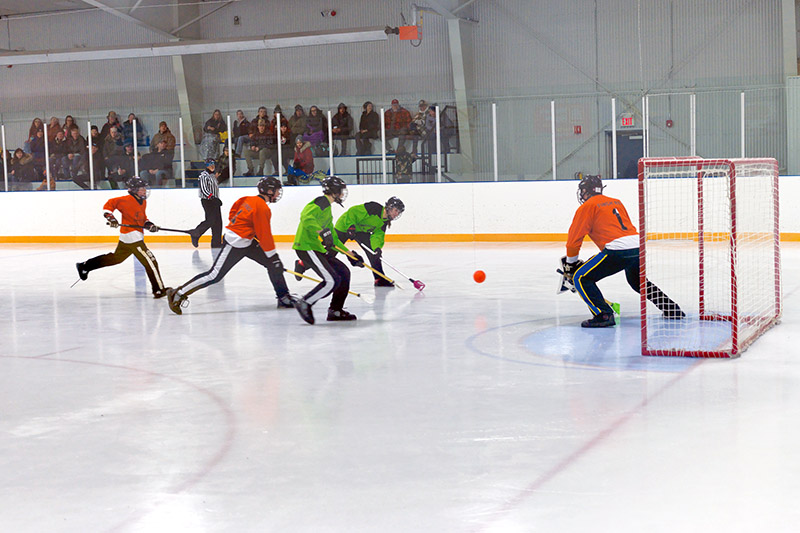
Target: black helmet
(398,204)
(134,184)
(334,186)
(270,187)
(589,186)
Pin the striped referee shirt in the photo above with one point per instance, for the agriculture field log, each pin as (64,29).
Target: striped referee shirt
(208,186)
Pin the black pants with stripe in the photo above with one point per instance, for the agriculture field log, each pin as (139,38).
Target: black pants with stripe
(213,220)
(227,257)
(335,278)
(365,239)
(124,251)
(610,262)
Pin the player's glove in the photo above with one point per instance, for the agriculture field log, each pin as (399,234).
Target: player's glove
(112,220)
(570,268)
(327,238)
(149,226)
(377,253)
(356,260)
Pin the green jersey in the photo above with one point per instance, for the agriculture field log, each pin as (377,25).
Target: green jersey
(365,218)
(316,215)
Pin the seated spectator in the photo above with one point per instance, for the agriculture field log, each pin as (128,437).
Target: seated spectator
(36,125)
(76,163)
(155,167)
(69,122)
(209,146)
(6,168)
(368,128)
(127,130)
(94,133)
(98,162)
(403,162)
(257,149)
(297,122)
(121,168)
(416,130)
(37,151)
(167,136)
(287,151)
(53,127)
(222,168)
(316,127)
(397,120)
(260,115)
(111,122)
(241,129)
(273,121)
(446,129)
(342,126)
(114,156)
(303,155)
(58,152)
(21,169)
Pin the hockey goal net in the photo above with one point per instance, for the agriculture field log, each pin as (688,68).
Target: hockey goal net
(709,239)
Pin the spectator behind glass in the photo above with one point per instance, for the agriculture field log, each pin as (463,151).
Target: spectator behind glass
(37,151)
(114,156)
(121,168)
(69,121)
(223,165)
(397,120)
(274,121)
(77,162)
(209,147)
(416,130)
(165,134)
(342,125)
(36,125)
(53,127)
(303,155)
(316,127)
(261,115)
(127,130)
(98,162)
(111,122)
(257,149)
(297,122)
(368,128)
(156,167)
(58,153)
(287,150)
(241,129)
(21,170)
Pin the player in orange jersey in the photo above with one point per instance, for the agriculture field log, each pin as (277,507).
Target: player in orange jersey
(248,235)
(607,223)
(131,239)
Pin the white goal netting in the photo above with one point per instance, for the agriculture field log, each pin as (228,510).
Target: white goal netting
(710,241)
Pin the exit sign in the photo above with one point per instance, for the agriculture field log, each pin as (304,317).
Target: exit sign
(626,120)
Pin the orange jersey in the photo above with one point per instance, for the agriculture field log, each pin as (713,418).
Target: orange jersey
(250,218)
(133,212)
(604,219)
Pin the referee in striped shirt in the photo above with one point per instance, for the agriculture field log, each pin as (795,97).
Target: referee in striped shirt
(209,197)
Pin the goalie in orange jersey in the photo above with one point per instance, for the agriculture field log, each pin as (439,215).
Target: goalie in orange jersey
(607,223)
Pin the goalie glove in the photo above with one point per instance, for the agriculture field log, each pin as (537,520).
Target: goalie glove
(327,238)
(570,268)
(112,220)
(356,260)
(149,226)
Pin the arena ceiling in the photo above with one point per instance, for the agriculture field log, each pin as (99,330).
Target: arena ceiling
(11,8)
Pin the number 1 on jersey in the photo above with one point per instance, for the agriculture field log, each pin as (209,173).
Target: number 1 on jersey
(616,213)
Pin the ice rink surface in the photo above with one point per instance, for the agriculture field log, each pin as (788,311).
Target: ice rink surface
(465,407)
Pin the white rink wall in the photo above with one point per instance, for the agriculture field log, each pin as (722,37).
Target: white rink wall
(436,210)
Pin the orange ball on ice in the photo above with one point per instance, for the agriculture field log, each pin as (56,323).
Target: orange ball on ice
(479,276)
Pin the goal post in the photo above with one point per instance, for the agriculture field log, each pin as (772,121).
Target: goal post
(709,239)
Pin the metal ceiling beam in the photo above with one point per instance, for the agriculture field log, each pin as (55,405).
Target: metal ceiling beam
(206,46)
(201,17)
(128,18)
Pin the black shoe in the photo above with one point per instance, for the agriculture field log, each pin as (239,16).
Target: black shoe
(603,320)
(195,238)
(299,267)
(176,302)
(337,315)
(82,272)
(380,282)
(286,301)
(674,313)
(160,293)
(304,309)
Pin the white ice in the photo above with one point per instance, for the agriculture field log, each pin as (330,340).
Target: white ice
(466,407)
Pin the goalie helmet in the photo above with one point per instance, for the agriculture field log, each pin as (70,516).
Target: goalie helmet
(396,203)
(134,184)
(589,186)
(270,187)
(335,187)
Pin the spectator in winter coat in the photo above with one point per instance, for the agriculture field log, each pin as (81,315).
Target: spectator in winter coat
(416,130)
(222,168)
(303,155)
(121,168)
(113,145)
(58,152)
(36,125)
(397,120)
(273,122)
(111,122)
(257,149)
(241,129)
(316,127)
(297,123)
(98,162)
(342,125)
(37,151)
(69,122)
(287,151)
(77,161)
(155,167)
(261,115)
(167,136)
(368,128)
(21,168)
(127,130)
(53,127)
